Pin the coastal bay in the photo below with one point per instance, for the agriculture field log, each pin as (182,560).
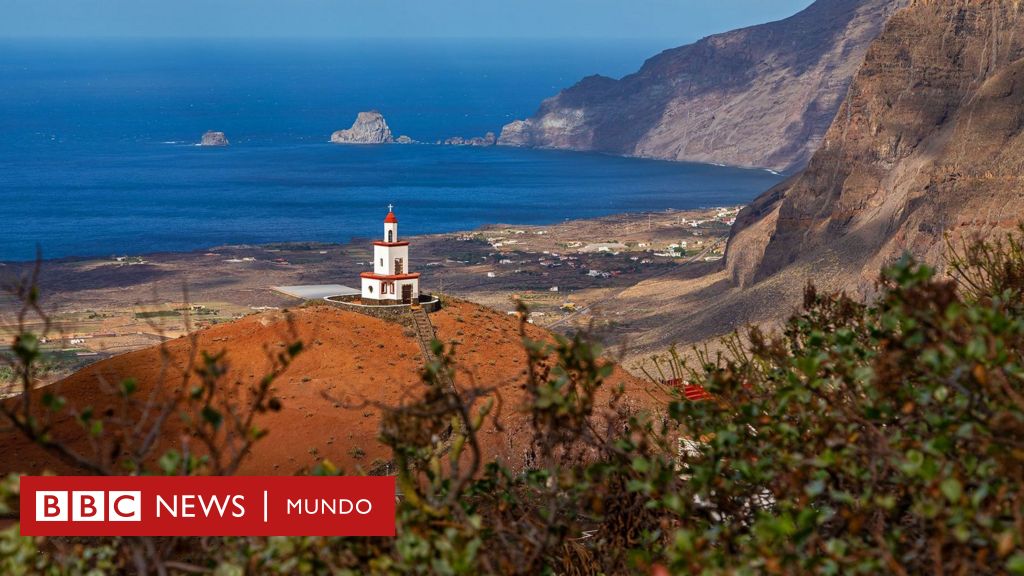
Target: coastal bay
(100,156)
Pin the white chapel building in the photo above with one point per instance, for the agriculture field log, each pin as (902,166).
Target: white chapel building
(391,282)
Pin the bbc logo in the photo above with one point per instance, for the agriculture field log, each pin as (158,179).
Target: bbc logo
(89,506)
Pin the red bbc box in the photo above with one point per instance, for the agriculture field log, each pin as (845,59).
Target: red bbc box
(208,505)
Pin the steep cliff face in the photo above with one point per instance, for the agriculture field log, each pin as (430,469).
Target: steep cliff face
(761,96)
(929,141)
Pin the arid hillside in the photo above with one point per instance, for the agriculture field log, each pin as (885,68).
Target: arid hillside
(331,396)
(761,96)
(927,145)
(929,142)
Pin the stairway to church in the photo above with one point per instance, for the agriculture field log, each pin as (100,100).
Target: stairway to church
(425,334)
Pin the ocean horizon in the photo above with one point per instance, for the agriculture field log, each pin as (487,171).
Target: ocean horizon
(99,155)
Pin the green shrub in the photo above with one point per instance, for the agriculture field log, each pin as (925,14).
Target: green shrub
(885,437)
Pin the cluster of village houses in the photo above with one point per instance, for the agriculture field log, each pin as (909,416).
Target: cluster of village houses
(549,259)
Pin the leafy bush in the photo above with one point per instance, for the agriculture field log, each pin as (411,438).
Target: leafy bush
(882,438)
(885,437)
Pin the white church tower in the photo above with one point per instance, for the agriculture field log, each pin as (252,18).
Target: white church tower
(391,282)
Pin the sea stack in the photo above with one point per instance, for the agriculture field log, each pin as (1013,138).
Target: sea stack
(212,138)
(369,128)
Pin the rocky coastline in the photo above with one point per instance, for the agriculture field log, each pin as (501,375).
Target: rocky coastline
(488,139)
(757,97)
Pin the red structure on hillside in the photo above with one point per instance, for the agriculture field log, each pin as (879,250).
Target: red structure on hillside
(691,392)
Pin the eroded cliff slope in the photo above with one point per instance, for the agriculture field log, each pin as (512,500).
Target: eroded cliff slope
(760,96)
(928,142)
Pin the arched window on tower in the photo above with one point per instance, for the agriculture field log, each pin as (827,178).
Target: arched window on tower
(391,235)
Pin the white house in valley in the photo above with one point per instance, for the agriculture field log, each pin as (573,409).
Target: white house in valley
(391,281)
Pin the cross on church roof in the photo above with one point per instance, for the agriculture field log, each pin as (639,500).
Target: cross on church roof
(391,207)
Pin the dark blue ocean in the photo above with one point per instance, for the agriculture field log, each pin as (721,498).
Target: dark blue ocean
(97,153)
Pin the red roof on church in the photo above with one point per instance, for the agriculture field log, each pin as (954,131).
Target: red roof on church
(390,218)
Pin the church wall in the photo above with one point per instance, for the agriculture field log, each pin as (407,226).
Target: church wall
(384,259)
(374,289)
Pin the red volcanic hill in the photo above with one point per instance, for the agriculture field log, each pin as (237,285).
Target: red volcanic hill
(330,395)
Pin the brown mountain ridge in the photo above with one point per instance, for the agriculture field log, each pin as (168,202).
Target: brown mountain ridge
(929,142)
(927,145)
(759,97)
